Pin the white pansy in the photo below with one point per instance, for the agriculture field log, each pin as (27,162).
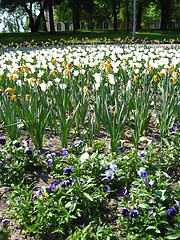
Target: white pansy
(84,157)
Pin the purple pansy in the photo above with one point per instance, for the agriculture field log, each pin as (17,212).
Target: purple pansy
(49,161)
(68,171)
(123,192)
(120,149)
(134,213)
(171,212)
(106,188)
(125,212)
(142,173)
(2,141)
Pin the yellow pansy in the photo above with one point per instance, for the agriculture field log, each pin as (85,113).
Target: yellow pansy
(45,193)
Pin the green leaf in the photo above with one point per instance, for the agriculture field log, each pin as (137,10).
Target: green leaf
(144,205)
(99,145)
(151,228)
(88,196)
(178,186)
(174,236)
(68,205)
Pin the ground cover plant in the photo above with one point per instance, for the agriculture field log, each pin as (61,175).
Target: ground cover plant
(114,112)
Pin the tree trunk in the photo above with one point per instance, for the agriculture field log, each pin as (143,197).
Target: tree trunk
(115,15)
(44,19)
(139,16)
(91,20)
(77,18)
(127,14)
(74,23)
(51,19)
(18,27)
(44,23)
(165,13)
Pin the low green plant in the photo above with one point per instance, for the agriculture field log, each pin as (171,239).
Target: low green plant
(17,160)
(9,113)
(150,210)
(165,106)
(72,199)
(34,114)
(63,108)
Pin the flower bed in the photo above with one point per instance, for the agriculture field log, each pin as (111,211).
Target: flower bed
(103,103)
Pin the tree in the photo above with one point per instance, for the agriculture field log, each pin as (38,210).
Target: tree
(15,21)
(34,21)
(62,13)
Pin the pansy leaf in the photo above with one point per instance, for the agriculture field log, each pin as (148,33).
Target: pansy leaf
(144,205)
(174,236)
(88,196)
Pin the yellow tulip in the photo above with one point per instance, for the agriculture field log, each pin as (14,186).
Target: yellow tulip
(136,79)
(10,90)
(160,74)
(27,97)
(150,69)
(172,68)
(14,97)
(124,62)
(174,79)
(69,66)
(66,73)
(85,89)
(38,81)
(16,71)
(155,78)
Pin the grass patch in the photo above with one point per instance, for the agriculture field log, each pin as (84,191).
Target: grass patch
(88,36)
